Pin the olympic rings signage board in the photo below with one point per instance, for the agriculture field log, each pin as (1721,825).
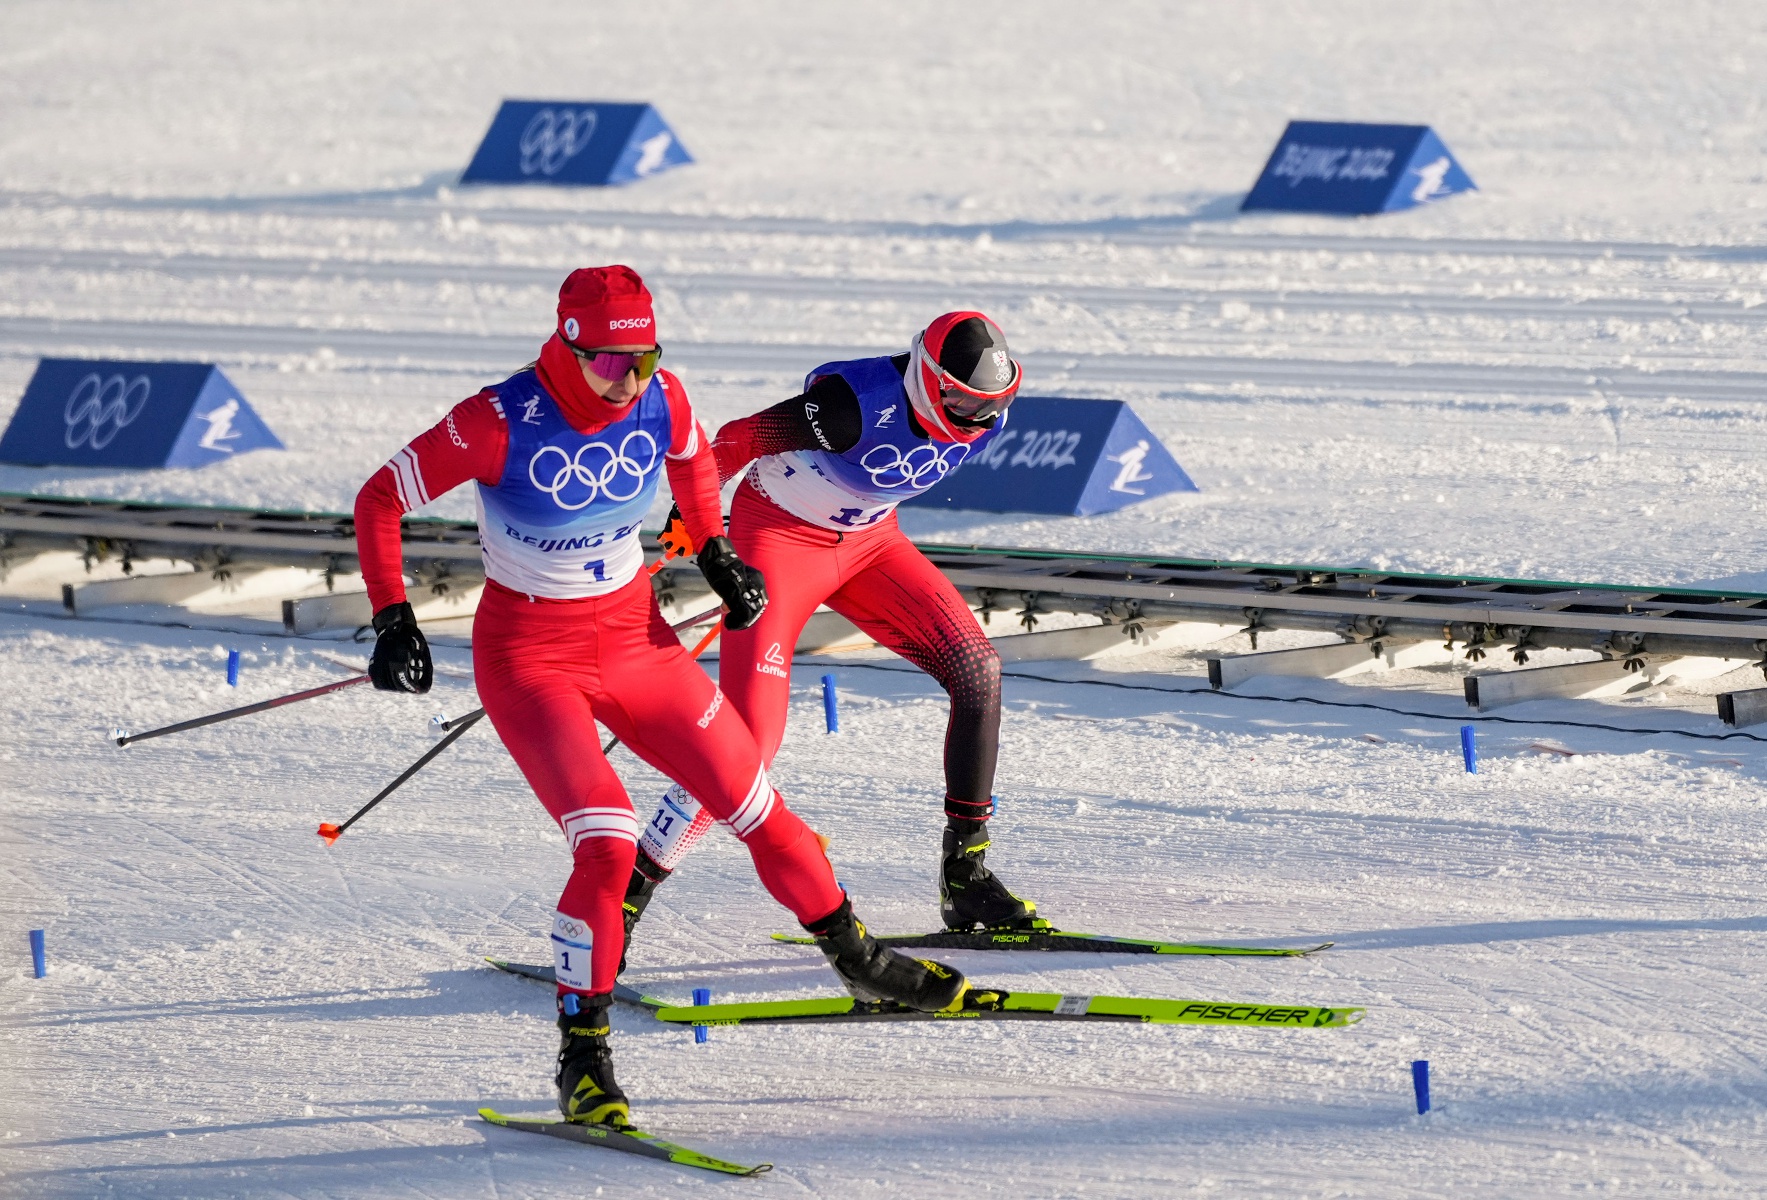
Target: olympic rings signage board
(575,143)
(1356,169)
(1063,456)
(97,413)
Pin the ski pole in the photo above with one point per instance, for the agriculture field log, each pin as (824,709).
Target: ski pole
(331,833)
(711,633)
(124,738)
(460,725)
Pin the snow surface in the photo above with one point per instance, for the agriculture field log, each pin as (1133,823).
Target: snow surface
(1558,376)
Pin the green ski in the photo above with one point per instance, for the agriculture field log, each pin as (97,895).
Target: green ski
(628,1140)
(978,1004)
(981,1004)
(1044,937)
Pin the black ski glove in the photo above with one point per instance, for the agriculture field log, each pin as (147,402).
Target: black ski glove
(742,588)
(401,661)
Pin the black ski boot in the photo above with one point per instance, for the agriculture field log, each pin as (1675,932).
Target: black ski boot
(586,1088)
(647,874)
(874,972)
(969,893)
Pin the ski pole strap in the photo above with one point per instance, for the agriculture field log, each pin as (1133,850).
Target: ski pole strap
(331,833)
(248,710)
(674,539)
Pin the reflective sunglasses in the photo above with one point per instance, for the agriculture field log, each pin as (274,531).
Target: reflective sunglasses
(614,366)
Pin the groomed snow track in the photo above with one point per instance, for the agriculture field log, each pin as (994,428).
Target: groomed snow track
(1535,318)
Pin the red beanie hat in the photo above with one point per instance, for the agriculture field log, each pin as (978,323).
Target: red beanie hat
(605,306)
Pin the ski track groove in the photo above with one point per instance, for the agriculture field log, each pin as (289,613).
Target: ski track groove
(218,865)
(816,288)
(419,206)
(1569,838)
(25,337)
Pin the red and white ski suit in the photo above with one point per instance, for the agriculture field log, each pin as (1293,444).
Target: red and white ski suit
(548,666)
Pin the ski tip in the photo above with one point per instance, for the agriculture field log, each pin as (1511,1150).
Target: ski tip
(793,939)
(1316,949)
(493,1116)
(331,833)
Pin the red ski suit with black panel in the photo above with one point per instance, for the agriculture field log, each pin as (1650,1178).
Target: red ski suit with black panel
(871,575)
(549,666)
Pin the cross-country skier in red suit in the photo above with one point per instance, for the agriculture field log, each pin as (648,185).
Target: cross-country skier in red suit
(816,514)
(567,454)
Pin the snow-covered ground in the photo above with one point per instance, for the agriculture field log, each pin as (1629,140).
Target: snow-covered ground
(233,1009)
(1559,376)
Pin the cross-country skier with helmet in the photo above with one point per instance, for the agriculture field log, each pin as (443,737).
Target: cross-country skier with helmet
(567,454)
(816,513)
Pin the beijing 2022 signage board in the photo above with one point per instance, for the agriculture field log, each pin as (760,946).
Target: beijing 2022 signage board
(1355,169)
(575,143)
(80,412)
(1064,457)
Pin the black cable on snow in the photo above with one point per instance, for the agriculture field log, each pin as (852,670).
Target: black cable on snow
(1401,712)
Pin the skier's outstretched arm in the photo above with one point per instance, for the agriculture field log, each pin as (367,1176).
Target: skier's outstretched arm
(825,417)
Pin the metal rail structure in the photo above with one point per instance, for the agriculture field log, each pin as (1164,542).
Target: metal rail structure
(1382,619)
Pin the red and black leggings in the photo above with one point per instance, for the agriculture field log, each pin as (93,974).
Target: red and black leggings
(876,579)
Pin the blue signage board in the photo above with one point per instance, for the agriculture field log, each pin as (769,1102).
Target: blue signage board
(1355,169)
(1063,456)
(573,143)
(97,413)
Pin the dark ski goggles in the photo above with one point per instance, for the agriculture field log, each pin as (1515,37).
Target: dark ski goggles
(608,364)
(965,402)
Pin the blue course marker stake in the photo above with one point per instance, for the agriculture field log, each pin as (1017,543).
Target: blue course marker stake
(1420,1083)
(700,1032)
(830,708)
(39,957)
(233,668)
(1468,751)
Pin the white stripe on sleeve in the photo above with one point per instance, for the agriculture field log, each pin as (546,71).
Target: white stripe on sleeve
(694,434)
(409,477)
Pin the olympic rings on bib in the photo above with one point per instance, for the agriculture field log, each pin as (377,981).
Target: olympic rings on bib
(554,137)
(919,469)
(599,476)
(98,408)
